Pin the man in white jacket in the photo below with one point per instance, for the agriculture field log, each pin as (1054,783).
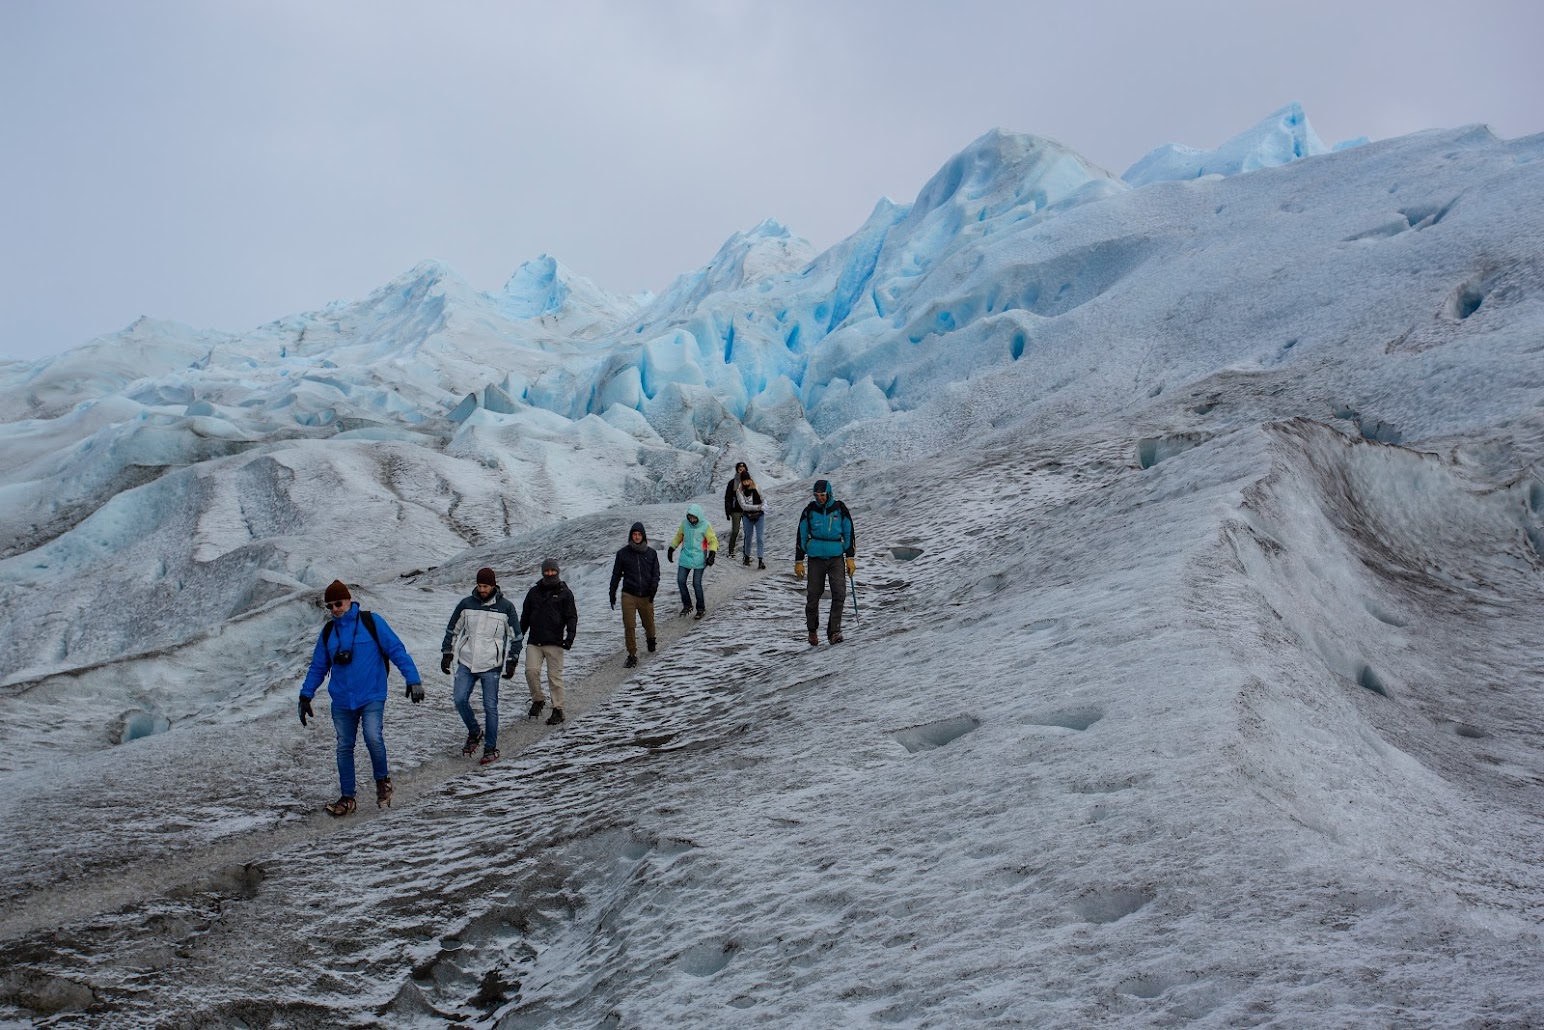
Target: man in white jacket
(479,638)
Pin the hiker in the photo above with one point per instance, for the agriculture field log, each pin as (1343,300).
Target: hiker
(699,546)
(355,669)
(752,510)
(827,537)
(732,510)
(480,639)
(637,569)
(548,620)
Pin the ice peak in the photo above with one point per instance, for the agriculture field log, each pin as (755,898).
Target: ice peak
(1280,137)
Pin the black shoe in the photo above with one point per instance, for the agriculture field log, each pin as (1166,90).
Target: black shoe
(632,662)
(686,610)
(701,612)
(747,561)
(652,642)
(556,717)
(760,564)
(535,710)
(472,740)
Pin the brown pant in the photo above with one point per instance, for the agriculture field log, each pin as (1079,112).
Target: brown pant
(632,607)
(821,571)
(553,653)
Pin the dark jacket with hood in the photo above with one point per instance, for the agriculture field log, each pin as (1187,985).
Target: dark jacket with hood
(732,490)
(636,567)
(549,615)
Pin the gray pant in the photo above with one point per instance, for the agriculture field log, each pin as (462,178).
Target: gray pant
(820,571)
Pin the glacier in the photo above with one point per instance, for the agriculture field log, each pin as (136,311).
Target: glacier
(1193,676)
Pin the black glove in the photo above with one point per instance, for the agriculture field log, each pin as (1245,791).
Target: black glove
(569,643)
(670,554)
(445,663)
(711,556)
(305,710)
(414,692)
(613,602)
(509,668)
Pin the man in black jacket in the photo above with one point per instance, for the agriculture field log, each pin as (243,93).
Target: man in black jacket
(637,569)
(732,510)
(548,621)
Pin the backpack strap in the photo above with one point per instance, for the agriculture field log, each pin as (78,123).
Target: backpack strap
(368,618)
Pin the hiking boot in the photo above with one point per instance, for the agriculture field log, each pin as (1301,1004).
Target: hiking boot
(490,755)
(761,565)
(632,662)
(652,643)
(701,612)
(686,609)
(556,717)
(535,709)
(343,806)
(747,561)
(472,740)
(814,639)
(383,792)
(835,638)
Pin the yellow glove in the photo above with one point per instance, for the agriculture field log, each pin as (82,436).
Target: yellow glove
(852,566)
(798,570)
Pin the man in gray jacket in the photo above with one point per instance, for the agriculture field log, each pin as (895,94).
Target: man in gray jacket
(480,638)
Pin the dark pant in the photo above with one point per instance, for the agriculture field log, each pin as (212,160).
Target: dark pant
(734,529)
(820,571)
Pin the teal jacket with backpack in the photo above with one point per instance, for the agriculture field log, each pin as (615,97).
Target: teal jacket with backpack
(826,530)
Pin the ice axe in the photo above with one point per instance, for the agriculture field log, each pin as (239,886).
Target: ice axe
(854,586)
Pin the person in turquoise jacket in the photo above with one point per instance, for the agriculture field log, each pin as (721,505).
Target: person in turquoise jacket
(827,537)
(698,545)
(351,653)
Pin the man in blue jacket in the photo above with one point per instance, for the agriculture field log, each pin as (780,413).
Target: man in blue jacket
(354,665)
(826,536)
(481,638)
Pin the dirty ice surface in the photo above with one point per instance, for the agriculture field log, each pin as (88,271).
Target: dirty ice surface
(1193,675)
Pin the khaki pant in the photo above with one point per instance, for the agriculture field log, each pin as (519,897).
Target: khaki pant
(633,607)
(553,654)
(821,571)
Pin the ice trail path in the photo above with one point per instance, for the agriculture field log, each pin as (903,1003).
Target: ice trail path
(226,864)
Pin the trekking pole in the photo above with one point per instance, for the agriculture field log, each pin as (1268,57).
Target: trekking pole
(854,584)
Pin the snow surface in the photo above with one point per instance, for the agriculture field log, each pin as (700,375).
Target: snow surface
(1193,678)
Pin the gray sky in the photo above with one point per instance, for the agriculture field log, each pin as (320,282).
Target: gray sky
(225,164)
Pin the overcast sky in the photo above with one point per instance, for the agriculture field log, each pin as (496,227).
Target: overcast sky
(225,164)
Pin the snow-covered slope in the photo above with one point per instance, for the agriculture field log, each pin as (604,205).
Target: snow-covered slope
(1191,681)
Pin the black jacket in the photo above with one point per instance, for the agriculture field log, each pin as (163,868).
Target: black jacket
(549,615)
(636,568)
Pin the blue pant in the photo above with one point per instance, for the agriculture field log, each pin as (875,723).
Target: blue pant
(680,581)
(347,723)
(462,695)
(753,532)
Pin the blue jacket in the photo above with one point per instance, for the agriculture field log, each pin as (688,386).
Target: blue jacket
(826,532)
(362,680)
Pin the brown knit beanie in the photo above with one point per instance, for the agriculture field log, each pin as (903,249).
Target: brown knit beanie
(485,577)
(337,590)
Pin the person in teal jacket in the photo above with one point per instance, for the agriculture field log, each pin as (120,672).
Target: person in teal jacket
(827,537)
(351,653)
(699,546)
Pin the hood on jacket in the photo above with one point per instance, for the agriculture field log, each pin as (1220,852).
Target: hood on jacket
(830,490)
(696,509)
(638,528)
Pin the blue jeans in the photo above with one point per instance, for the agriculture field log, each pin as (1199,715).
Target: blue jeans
(680,582)
(753,532)
(347,723)
(462,695)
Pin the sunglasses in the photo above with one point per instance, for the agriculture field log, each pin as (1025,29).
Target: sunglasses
(338,604)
